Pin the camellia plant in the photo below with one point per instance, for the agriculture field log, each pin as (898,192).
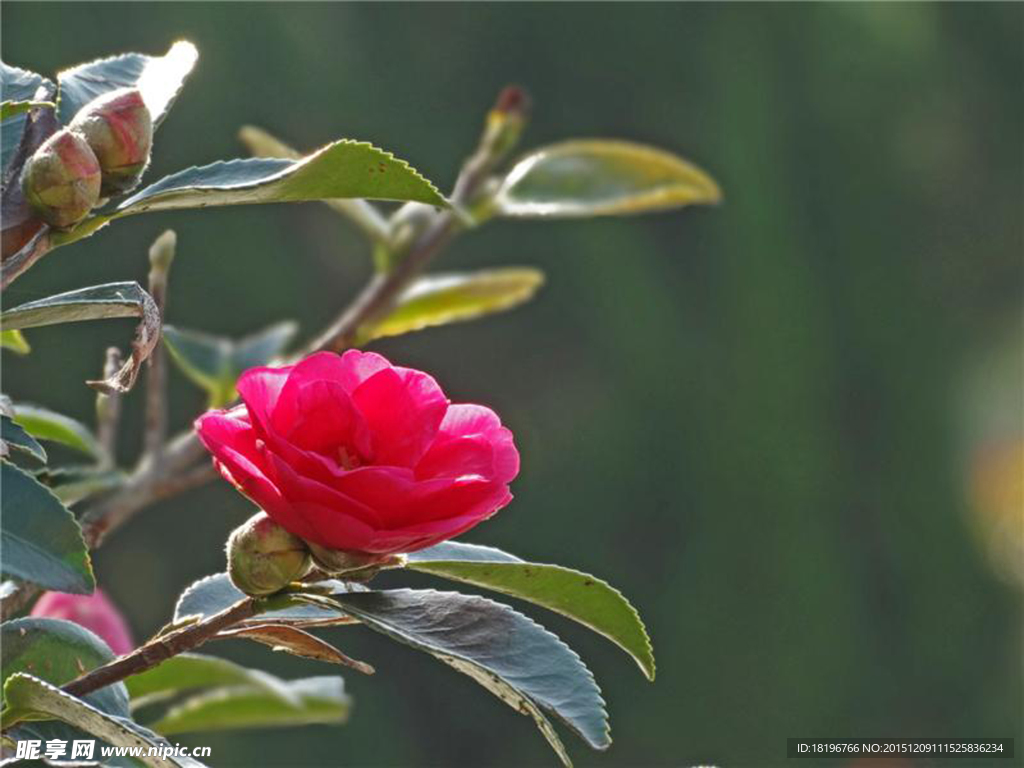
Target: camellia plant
(356,465)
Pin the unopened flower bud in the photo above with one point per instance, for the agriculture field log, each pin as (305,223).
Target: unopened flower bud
(350,564)
(61,180)
(119,128)
(263,557)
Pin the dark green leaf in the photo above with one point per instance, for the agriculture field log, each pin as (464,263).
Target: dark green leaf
(215,593)
(600,177)
(318,700)
(29,697)
(42,542)
(159,78)
(205,359)
(45,424)
(14,435)
(513,657)
(440,299)
(14,341)
(344,169)
(579,596)
(59,651)
(262,144)
(98,302)
(215,363)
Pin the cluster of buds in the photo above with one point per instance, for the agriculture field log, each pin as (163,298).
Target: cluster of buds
(102,152)
(264,558)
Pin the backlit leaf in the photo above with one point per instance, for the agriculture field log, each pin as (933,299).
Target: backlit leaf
(601,177)
(579,596)
(440,299)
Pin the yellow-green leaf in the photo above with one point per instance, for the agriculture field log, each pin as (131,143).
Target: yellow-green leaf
(455,297)
(14,341)
(14,108)
(601,177)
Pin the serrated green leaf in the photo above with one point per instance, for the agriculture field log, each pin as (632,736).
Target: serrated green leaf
(14,435)
(344,169)
(440,299)
(26,694)
(601,177)
(579,596)
(14,341)
(158,78)
(214,363)
(98,302)
(44,424)
(42,542)
(213,594)
(519,661)
(9,109)
(262,144)
(319,700)
(59,651)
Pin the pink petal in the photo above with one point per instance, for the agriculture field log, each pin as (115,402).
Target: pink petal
(260,390)
(326,420)
(232,442)
(358,366)
(454,457)
(334,529)
(403,410)
(95,612)
(463,419)
(299,488)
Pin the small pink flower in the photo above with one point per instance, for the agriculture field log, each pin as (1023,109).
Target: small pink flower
(355,454)
(95,612)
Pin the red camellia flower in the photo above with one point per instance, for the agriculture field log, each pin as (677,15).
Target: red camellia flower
(355,454)
(95,612)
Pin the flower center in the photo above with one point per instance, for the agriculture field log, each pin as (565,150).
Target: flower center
(348,459)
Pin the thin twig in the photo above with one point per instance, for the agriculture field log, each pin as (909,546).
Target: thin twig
(108,411)
(161,254)
(161,648)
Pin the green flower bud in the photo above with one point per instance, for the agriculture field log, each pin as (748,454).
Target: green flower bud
(263,557)
(119,128)
(61,180)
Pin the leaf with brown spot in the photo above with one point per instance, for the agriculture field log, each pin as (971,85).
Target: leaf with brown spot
(282,637)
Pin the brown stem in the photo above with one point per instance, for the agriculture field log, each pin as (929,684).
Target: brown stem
(161,648)
(13,267)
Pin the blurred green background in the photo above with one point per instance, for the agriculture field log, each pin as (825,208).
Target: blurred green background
(755,419)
